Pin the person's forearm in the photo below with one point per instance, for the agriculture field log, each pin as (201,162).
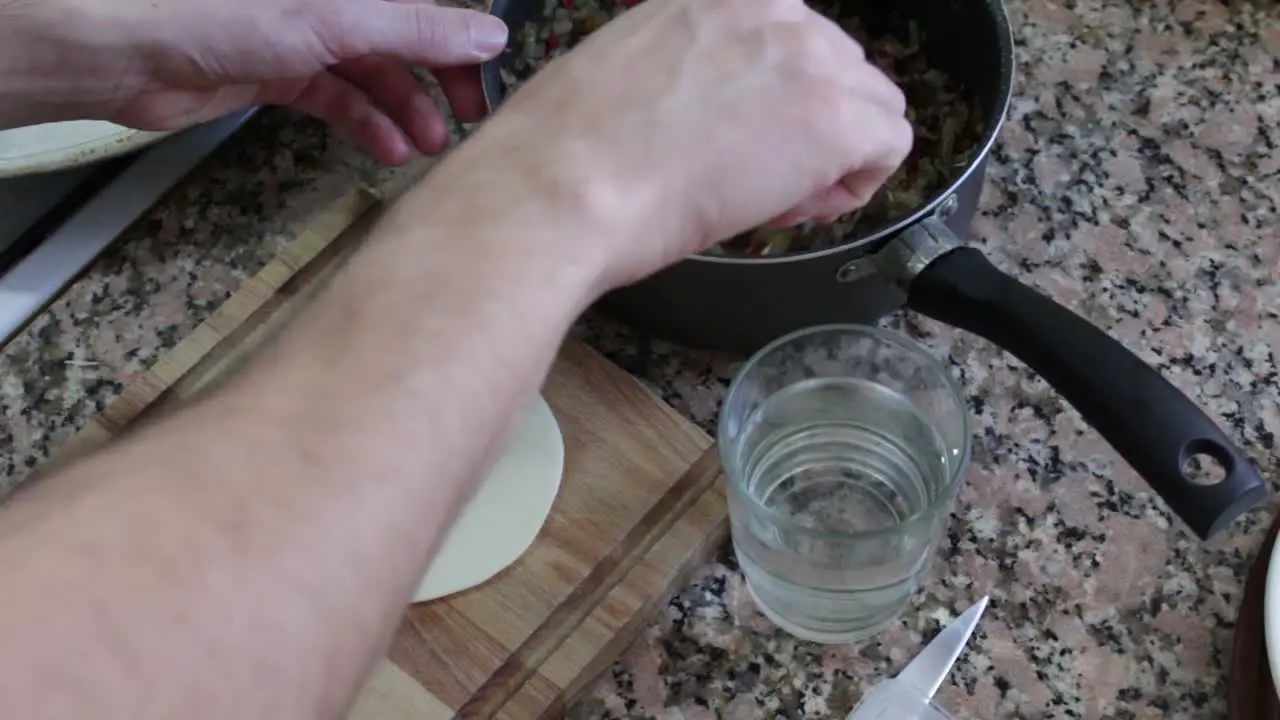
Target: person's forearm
(59,61)
(188,571)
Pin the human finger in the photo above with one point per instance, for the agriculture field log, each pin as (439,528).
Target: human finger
(353,115)
(886,144)
(852,192)
(861,185)
(788,219)
(824,206)
(422,33)
(401,96)
(876,147)
(874,143)
(829,203)
(462,88)
(851,63)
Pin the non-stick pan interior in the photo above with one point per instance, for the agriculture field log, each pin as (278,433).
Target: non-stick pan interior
(967,38)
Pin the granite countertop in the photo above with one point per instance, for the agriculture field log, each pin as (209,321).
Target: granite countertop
(1137,181)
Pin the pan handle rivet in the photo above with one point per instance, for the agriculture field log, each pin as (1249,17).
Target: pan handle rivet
(946,207)
(859,268)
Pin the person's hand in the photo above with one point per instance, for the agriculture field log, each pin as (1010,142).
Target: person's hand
(681,124)
(166,64)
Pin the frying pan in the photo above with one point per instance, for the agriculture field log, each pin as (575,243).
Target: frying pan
(920,262)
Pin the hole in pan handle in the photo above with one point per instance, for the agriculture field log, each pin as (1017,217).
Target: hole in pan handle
(1152,424)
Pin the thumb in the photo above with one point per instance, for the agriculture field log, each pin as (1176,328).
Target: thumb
(423,33)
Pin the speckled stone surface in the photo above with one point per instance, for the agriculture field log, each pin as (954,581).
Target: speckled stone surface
(1137,181)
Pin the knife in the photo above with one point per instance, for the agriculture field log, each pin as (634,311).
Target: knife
(909,696)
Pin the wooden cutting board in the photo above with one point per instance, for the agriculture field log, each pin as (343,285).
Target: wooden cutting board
(641,506)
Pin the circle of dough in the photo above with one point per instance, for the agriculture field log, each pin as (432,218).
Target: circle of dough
(506,514)
(60,145)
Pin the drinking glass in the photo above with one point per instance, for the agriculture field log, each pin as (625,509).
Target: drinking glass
(843,447)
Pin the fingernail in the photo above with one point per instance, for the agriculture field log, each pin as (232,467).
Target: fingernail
(490,35)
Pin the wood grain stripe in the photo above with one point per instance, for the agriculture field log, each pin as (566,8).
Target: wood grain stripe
(503,683)
(713,523)
(244,339)
(152,388)
(443,649)
(390,694)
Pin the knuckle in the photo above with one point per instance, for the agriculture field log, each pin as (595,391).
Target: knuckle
(828,102)
(796,44)
(897,98)
(856,49)
(838,33)
(905,136)
(860,132)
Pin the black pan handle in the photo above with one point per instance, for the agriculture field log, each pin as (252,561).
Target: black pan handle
(1155,427)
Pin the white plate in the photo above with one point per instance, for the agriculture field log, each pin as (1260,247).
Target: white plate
(1271,613)
(56,146)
